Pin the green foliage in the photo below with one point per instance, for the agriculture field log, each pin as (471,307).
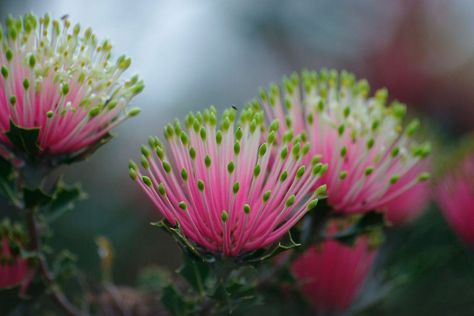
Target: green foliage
(7,180)
(25,140)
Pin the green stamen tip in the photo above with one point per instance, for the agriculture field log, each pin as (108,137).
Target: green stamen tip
(147,181)
(283,176)
(166,166)
(184,174)
(256,171)
(200,185)
(424,176)
(343,151)
(246,208)
(300,172)
(65,89)
(343,175)
(369,171)
(394,179)
(207,161)
(236,187)
(236,148)
(224,216)
(182,205)
(94,112)
(134,112)
(262,150)
(312,204)
(133,174)
(291,200)
(230,167)
(13,100)
(145,151)
(322,191)
(266,196)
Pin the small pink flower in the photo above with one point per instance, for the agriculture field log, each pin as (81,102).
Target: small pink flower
(62,82)
(332,274)
(14,271)
(455,196)
(216,183)
(368,152)
(410,204)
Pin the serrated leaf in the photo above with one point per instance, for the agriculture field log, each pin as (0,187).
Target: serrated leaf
(63,200)
(35,197)
(24,139)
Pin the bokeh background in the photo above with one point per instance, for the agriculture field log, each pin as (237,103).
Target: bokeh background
(192,54)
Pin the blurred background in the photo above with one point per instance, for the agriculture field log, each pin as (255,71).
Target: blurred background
(192,54)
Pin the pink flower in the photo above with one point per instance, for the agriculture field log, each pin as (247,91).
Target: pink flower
(332,274)
(14,271)
(410,204)
(61,82)
(455,196)
(217,185)
(368,152)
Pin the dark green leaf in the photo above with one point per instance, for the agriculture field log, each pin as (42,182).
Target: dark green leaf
(35,197)
(24,139)
(195,272)
(63,200)
(174,302)
(7,179)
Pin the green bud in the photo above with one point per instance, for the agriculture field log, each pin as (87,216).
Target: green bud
(134,112)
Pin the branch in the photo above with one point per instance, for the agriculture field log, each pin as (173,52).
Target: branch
(49,278)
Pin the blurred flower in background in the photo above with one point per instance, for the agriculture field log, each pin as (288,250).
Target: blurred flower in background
(331,274)
(455,193)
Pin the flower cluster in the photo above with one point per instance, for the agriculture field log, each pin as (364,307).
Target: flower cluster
(455,195)
(60,80)
(369,154)
(229,185)
(331,274)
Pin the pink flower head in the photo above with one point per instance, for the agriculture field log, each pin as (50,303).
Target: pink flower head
(332,274)
(14,270)
(410,204)
(368,152)
(61,82)
(216,184)
(455,196)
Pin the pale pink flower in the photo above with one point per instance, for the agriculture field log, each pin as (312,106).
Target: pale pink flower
(455,196)
(332,274)
(61,81)
(216,183)
(368,151)
(14,271)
